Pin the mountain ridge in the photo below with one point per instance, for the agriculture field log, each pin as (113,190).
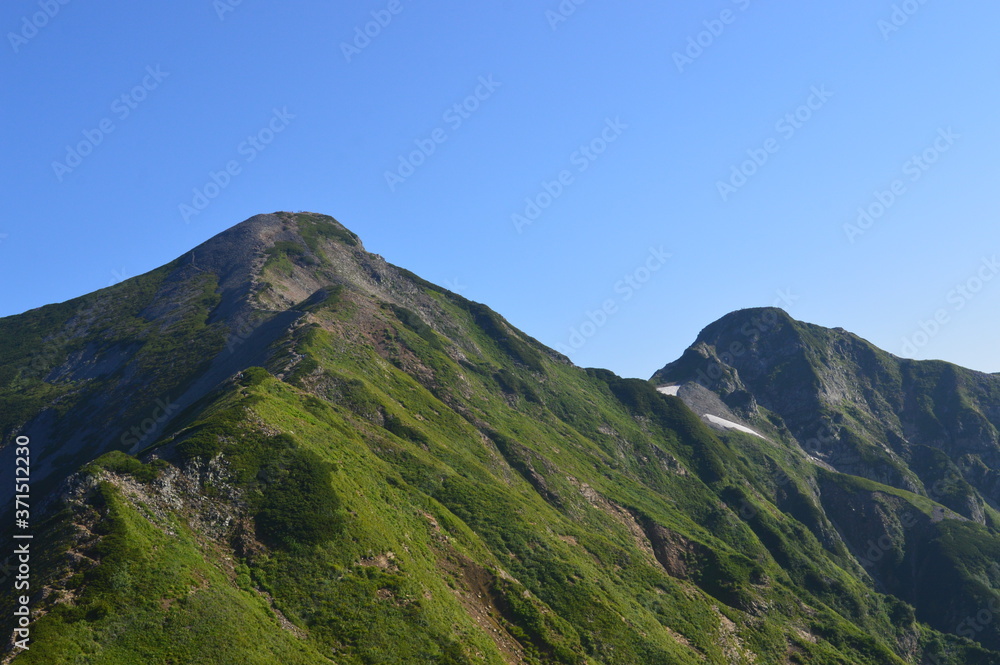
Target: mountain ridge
(362,467)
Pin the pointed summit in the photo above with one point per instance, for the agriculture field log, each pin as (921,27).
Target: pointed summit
(842,400)
(132,357)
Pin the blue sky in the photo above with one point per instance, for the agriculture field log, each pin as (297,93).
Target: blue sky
(611,177)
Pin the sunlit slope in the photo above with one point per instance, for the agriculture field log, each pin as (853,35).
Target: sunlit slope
(392,474)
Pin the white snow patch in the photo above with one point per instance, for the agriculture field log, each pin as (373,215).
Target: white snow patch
(668,390)
(728,424)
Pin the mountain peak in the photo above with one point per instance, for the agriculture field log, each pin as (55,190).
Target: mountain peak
(238,300)
(723,347)
(749,322)
(279,409)
(269,260)
(232,251)
(846,402)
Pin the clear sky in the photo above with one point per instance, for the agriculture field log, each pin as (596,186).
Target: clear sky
(609,176)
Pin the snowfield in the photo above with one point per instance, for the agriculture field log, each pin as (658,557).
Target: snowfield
(728,424)
(715,420)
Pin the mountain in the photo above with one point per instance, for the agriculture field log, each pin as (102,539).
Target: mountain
(281,448)
(926,429)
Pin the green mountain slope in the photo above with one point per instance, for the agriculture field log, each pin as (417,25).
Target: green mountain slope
(281,448)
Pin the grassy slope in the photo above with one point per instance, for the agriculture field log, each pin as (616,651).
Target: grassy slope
(159,595)
(473,498)
(418,498)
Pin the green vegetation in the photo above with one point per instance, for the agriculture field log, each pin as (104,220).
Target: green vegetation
(417,325)
(284,255)
(325,299)
(298,505)
(157,598)
(314,227)
(409,479)
(122,464)
(499,333)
